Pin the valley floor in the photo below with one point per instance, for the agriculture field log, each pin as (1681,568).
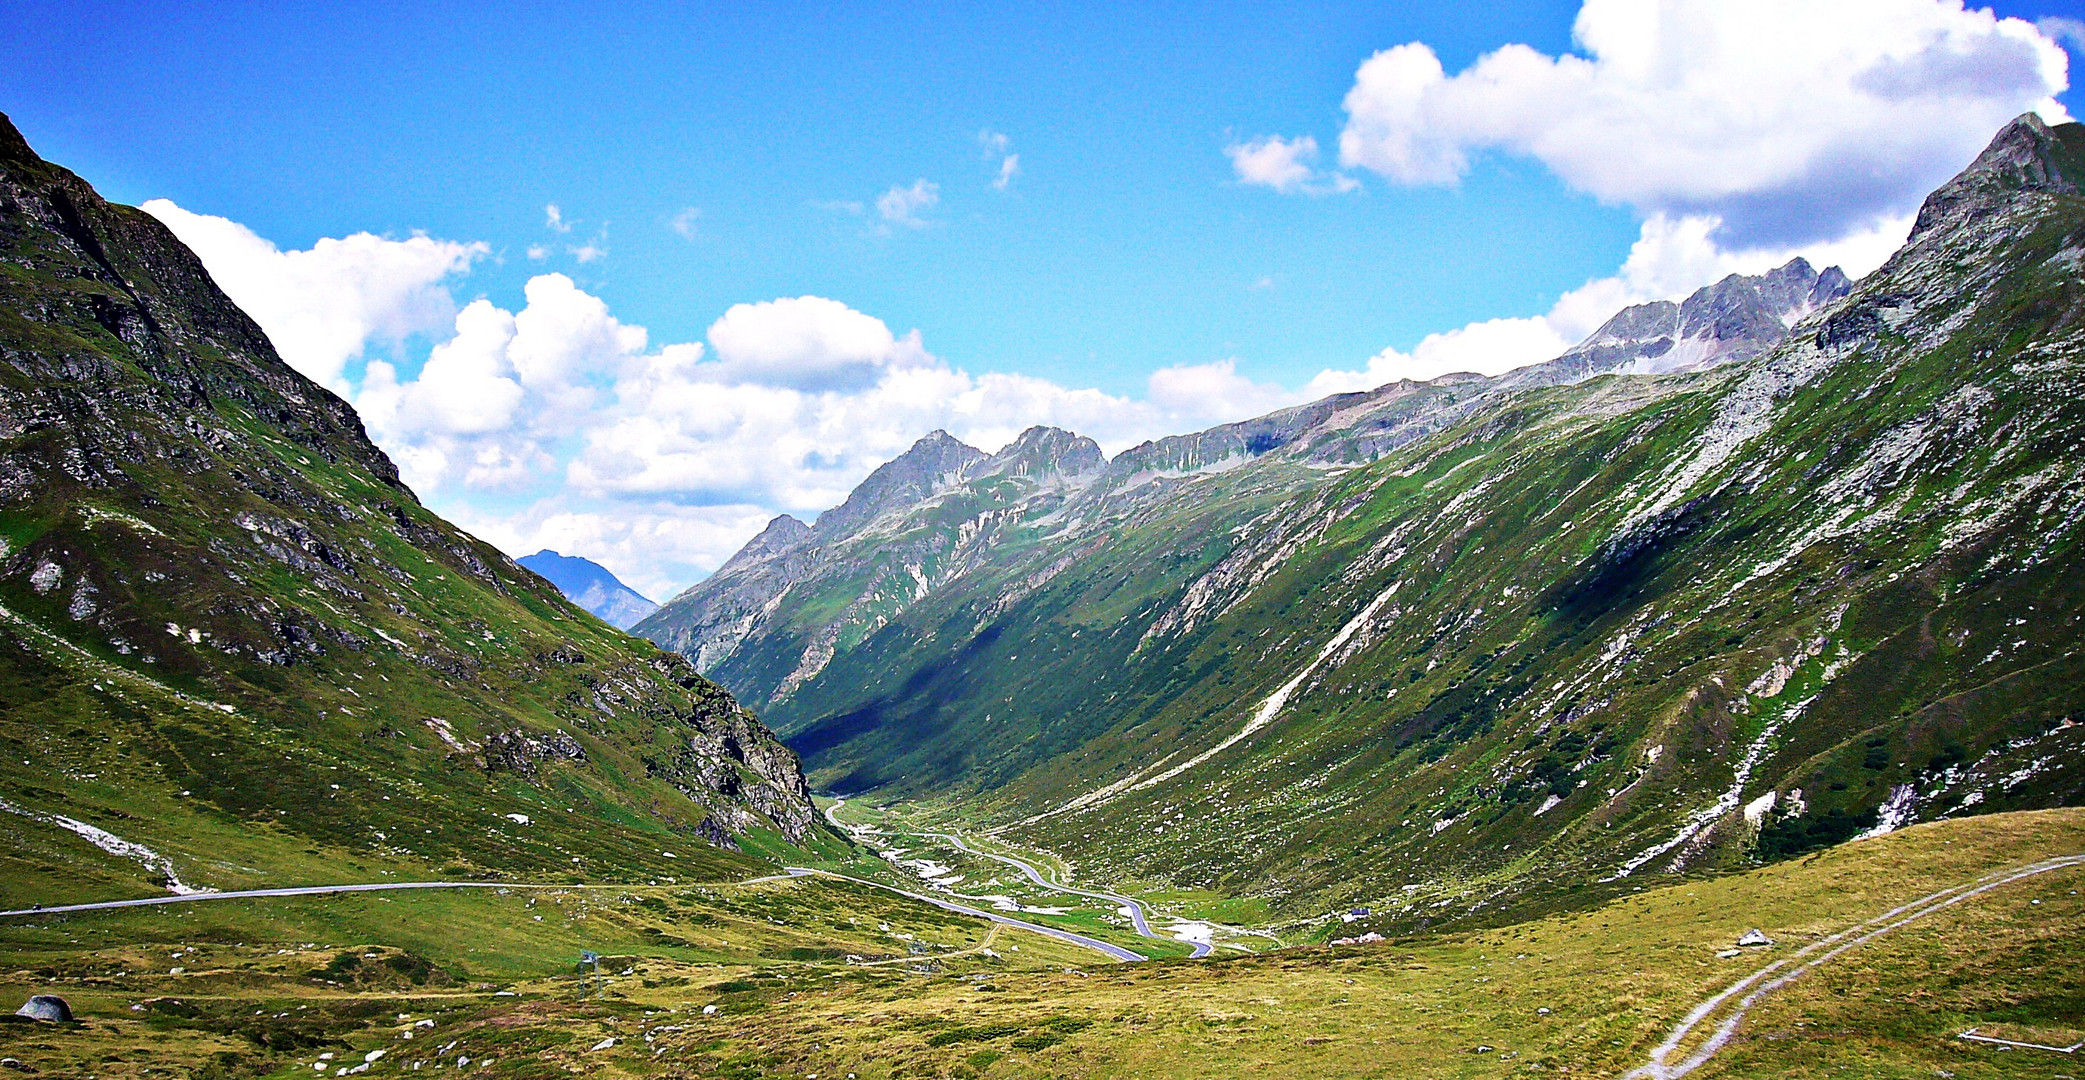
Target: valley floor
(794,977)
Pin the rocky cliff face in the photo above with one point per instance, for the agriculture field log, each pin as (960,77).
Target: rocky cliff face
(205,561)
(1451,647)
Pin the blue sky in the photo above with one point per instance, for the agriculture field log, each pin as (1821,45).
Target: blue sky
(702,157)
(1123,244)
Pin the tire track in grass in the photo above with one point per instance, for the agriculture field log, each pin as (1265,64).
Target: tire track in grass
(1794,966)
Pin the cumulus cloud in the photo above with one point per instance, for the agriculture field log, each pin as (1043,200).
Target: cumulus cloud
(902,206)
(322,306)
(807,342)
(1789,121)
(554,219)
(556,424)
(1286,166)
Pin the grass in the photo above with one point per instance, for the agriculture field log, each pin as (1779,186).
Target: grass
(771,958)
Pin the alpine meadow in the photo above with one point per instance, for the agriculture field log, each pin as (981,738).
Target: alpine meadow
(409,665)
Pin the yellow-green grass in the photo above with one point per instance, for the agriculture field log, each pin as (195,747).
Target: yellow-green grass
(1613,979)
(262,980)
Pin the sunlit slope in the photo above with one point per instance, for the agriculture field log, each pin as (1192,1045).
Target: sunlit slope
(231,637)
(1510,641)
(1588,635)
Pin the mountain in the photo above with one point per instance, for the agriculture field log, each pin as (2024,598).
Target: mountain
(590,585)
(1792,560)
(236,650)
(1737,318)
(917,519)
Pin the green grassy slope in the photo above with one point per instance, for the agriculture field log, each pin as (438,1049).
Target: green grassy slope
(1591,630)
(228,633)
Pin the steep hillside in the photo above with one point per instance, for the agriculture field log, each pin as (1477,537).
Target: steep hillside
(1477,643)
(236,650)
(946,518)
(590,585)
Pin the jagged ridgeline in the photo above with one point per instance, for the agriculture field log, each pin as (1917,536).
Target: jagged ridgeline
(229,634)
(1736,578)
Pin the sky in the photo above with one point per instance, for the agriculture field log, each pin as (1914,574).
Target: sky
(627,284)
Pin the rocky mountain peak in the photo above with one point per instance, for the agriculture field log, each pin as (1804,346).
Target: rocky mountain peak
(936,460)
(1736,318)
(781,534)
(2025,155)
(1044,452)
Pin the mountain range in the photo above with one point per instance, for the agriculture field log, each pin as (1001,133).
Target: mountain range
(1790,561)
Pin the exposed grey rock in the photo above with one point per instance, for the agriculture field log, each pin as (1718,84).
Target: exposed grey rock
(933,462)
(1735,319)
(2024,156)
(46,1007)
(524,754)
(1754,937)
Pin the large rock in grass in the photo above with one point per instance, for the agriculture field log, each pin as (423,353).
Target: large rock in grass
(46,1007)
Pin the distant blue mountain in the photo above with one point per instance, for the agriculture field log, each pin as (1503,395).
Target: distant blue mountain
(590,585)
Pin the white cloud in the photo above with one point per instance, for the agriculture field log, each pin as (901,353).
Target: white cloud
(537,252)
(652,546)
(1789,120)
(1285,165)
(901,206)
(684,222)
(322,306)
(998,146)
(561,426)
(558,425)
(807,342)
(554,219)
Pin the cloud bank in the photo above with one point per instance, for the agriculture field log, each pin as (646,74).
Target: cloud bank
(559,425)
(1791,121)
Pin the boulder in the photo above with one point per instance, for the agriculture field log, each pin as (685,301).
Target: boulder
(1754,937)
(46,1007)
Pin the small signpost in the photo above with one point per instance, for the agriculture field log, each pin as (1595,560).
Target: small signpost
(588,956)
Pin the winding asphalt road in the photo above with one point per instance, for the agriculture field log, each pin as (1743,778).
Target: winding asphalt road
(1135,909)
(1116,951)
(247,894)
